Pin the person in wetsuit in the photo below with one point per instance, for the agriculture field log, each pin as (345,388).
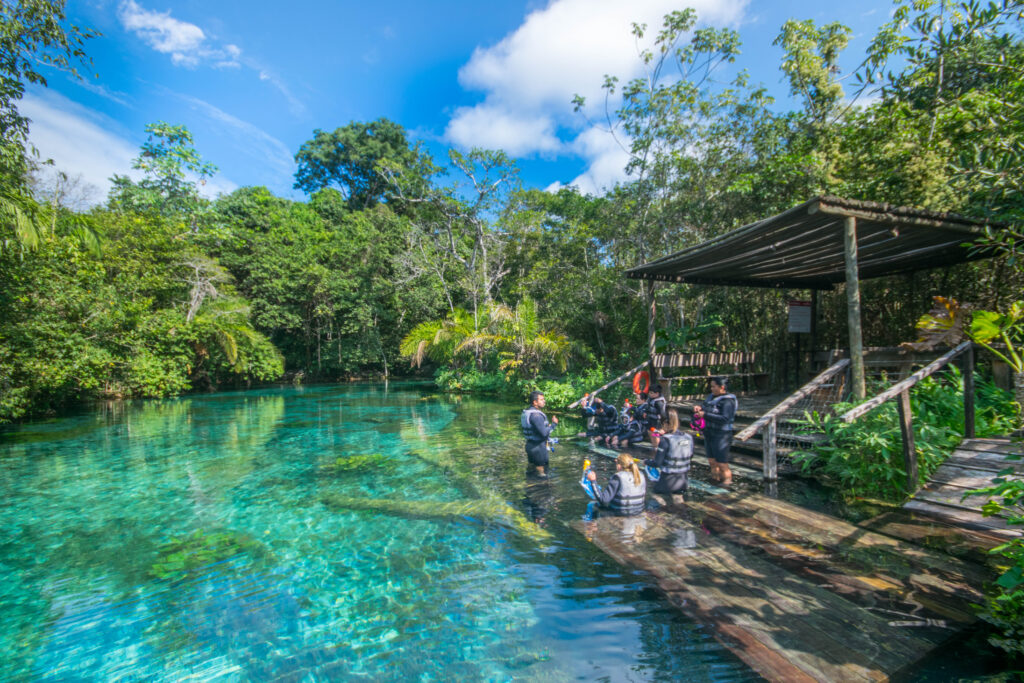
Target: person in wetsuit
(536,430)
(632,432)
(655,415)
(718,411)
(675,449)
(606,419)
(626,490)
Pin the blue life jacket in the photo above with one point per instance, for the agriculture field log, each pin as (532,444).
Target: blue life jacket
(715,405)
(529,430)
(629,498)
(680,451)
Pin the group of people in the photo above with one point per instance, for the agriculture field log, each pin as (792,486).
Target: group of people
(626,490)
(645,417)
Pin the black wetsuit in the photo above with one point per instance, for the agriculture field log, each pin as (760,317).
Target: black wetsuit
(719,413)
(673,461)
(536,430)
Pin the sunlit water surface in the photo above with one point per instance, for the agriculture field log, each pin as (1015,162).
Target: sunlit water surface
(203,538)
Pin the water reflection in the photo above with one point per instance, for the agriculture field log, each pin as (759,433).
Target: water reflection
(203,537)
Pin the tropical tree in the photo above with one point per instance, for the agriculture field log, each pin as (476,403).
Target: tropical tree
(169,162)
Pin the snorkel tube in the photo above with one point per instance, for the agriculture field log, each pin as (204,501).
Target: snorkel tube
(588,486)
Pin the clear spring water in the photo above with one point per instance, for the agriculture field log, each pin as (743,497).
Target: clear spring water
(202,538)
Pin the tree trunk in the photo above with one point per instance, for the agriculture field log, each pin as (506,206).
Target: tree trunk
(1018,396)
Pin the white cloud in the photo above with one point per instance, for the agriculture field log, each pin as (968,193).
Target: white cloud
(493,127)
(529,78)
(607,156)
(80,143)
(185,42)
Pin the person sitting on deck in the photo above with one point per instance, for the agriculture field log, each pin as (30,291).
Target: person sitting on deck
(655,415)
(606,419)
(632,432)
(626,490)
(672,459)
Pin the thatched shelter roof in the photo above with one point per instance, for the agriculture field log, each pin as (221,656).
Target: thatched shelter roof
(802,248)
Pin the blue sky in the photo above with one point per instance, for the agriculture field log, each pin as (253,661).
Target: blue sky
(252,80)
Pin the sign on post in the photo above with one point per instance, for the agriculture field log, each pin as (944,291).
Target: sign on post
(800,317)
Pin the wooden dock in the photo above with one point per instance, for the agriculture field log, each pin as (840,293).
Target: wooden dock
(797,595)
(974,464)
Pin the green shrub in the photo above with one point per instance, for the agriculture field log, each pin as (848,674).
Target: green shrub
(865,457)
(1004,605)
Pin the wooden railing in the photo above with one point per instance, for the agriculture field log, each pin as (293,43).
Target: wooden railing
(768,423)
(901,392)
(615,381)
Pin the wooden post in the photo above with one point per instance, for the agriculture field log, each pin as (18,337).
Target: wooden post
(814,328)
(768,452)
(853,309)
(652,335)
(968,373)
(907,432)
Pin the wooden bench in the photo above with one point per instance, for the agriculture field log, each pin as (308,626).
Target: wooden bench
(739,365)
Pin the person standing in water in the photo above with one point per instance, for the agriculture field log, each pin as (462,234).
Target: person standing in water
(536,430)
(718,412)
(672,459)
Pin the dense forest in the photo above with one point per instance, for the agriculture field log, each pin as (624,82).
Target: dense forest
(400,263)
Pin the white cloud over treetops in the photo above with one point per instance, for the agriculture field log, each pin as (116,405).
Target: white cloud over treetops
(186,43)
(80,143)
(530,77)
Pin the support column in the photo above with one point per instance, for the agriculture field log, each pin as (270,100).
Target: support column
(652,311)
(853,309)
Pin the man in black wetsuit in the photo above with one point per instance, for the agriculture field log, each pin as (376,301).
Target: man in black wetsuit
(536,430)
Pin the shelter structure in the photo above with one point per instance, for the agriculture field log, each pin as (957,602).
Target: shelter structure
(824,242)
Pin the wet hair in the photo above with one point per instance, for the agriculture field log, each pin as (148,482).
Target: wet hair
(643,395)
(672,422)
(656,389)
(534,395)
(721,381)
(626,462)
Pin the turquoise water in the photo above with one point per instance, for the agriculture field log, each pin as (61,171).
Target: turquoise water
(310,534)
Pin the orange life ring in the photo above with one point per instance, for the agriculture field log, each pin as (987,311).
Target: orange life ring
(641,382)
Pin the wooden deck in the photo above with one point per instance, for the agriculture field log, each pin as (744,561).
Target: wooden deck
(972,465)
(797,595)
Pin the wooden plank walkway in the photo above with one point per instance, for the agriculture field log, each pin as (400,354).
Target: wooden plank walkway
(797,595)
(972,465)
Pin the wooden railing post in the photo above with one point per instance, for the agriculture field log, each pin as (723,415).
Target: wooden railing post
(768,449)
(907,432)
(968,373)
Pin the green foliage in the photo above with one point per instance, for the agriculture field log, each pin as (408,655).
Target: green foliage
(180,557)
(865,457)
(361,159)
(1004,605)
(166,158)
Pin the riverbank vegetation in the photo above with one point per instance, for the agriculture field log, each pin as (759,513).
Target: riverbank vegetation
(395,257)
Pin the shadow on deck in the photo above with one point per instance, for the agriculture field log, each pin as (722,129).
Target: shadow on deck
(796,594)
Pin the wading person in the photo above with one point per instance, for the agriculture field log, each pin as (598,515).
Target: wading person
(718,412)
(672,459)
(536,430)
(626,490)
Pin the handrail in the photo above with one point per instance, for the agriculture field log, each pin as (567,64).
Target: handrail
(618,379)
(898,388)
(792,400)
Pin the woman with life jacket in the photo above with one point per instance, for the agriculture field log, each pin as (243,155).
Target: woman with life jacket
(536,430)
(718,412)
(655,415)
(626,490)
(672,459)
